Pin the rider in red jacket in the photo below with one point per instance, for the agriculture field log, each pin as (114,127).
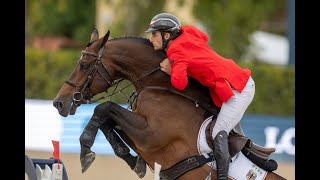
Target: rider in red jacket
(231,87)
(192,56)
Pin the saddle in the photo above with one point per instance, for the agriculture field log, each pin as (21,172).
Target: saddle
(239,142)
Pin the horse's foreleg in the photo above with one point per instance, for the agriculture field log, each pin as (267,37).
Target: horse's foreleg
(86,141)
(89,134)
(135,126)
(136,163)
(102,119)
(126,139)
(118,146)
(116,143)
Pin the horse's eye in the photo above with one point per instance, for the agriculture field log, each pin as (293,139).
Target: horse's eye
(84,66)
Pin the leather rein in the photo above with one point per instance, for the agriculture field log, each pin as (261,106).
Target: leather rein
(83,96)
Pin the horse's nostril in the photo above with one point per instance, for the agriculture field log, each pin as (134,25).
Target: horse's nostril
(58,105)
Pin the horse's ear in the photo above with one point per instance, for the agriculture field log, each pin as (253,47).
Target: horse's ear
(94,35)
(105,39)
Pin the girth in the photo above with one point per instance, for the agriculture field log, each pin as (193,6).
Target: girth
(184,166)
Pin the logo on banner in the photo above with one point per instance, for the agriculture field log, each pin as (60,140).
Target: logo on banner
(285,144)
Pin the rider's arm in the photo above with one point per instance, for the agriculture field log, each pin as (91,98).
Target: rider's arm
(179,78)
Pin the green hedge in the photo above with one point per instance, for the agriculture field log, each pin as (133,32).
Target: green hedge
(275,89)
(47,71)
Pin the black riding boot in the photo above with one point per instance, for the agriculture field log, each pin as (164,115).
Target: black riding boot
(222,156)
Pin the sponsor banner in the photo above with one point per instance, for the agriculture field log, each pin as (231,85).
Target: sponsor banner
(272,131)
(43,124)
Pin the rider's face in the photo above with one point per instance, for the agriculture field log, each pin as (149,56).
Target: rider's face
(156,40)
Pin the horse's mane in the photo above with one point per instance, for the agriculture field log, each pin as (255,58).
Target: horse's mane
(138,38)
(143,40)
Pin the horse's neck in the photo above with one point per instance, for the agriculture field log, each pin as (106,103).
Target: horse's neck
(140,65)
(135,61)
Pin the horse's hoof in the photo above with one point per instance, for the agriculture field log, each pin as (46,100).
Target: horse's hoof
(87,160)
(140,169)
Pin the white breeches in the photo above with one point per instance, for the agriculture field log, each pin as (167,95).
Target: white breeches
(232,111)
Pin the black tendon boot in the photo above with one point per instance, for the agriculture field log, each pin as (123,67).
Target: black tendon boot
(86,141)
(137,163)
(116,143)
(222,156)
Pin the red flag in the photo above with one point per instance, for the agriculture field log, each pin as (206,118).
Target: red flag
(56,153)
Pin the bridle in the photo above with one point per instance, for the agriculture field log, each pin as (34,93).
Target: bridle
(83,95)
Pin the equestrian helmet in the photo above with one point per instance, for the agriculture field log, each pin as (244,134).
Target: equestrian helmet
(164,22)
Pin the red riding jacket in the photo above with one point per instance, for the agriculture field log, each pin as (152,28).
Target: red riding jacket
(192,56)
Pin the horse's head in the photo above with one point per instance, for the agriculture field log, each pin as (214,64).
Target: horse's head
(90,77)
(102,64)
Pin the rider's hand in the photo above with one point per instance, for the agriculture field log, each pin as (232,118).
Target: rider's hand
(165,66)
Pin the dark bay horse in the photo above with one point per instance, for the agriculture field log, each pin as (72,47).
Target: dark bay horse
(164,123)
